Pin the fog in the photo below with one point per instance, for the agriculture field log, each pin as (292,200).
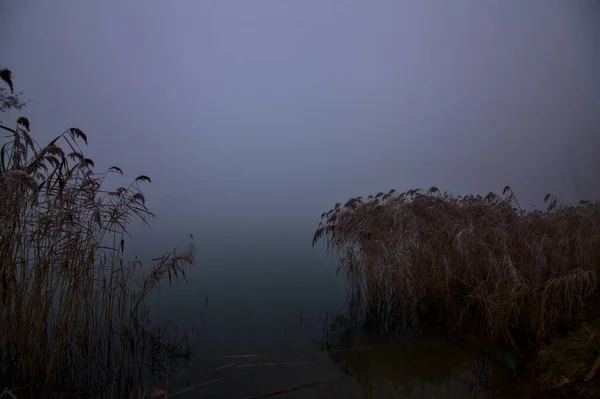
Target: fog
(266,113)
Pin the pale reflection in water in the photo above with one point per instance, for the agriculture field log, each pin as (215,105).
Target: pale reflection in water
(416,368)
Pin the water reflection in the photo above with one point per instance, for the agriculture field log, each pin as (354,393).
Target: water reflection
(412,363)
(416,368)
(271,328)
(425,368)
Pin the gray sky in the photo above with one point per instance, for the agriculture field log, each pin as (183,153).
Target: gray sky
(272,111)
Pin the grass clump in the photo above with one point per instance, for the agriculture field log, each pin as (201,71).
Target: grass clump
(574,357)
(427,258)
(72,310)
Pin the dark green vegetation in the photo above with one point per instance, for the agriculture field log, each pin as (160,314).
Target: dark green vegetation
(426,260)
(72,310)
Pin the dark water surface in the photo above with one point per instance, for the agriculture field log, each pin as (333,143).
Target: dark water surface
(271,294)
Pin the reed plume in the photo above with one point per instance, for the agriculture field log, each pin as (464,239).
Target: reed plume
(473,263)
(72,308)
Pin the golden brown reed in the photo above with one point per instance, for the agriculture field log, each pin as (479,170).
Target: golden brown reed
(70,307)
(468,262)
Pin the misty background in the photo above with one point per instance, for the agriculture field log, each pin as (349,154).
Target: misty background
(254,117)
(269,112)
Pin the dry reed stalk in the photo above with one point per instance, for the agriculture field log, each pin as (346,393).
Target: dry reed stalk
(71,305)
(468,262)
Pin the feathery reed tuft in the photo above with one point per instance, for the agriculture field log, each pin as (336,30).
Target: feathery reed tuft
(72,309)
(475,263)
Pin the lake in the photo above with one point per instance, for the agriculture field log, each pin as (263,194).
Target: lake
(267,292)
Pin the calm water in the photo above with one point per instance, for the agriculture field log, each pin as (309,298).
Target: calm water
(272,294)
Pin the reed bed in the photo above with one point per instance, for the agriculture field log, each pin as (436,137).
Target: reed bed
(72,309)
(428,258)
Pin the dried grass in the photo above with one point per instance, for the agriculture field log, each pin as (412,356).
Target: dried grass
(476,263)
(72,311)
(571,358)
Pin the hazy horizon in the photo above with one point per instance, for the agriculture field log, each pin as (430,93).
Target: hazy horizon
(266,113)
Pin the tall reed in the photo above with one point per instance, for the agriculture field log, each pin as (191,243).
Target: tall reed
(479,263)
(71,309)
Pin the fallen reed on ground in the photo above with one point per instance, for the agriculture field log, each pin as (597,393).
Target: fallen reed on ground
(72,310)
(474,263)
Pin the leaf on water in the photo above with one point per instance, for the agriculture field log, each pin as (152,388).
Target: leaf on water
(6,76)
